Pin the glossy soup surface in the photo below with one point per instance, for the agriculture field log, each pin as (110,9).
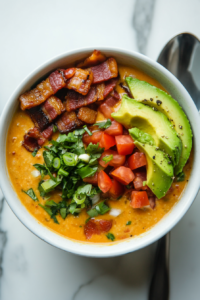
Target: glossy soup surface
(20,165)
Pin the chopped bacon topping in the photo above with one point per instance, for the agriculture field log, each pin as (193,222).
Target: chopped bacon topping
(57,80)
(97,227)
(46,113)
(33,139)
(109,86)
(68,121)
(105,71)
(97,92)
(81,81)
(36,96)
(75,100)
(87,115)
(94,59)
(53,107)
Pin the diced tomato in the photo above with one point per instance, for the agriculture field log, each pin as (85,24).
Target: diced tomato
(117,161)
(117,189)
(123,175)
(139,199)
(137,160)
(107,141)
(115,129)
(104,182)
(124,144)
(97,227)
(93,179)
(106,110)
(94,138)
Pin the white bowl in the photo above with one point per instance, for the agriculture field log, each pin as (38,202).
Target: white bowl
(173,86)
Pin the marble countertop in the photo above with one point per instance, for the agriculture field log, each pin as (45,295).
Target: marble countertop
(33,32)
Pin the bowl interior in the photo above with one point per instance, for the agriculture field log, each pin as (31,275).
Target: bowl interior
(172,85)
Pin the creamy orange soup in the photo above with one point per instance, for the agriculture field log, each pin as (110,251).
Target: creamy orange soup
(20,165)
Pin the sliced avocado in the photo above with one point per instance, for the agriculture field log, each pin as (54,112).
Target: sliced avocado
(135,114)
(155,97)
(159,167)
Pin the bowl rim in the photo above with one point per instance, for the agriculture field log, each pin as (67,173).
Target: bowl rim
(93,249)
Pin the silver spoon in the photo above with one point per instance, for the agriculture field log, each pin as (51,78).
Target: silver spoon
(181,56)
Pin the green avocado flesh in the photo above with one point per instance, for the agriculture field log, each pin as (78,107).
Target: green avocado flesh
(155,97)
(159,167)
(135,114)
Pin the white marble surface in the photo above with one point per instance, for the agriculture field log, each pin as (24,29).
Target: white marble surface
(32,32)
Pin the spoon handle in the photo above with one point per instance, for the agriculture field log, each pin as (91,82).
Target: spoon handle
(159,287)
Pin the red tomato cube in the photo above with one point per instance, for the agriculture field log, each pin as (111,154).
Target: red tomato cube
(116,190)
(115,129)
(124,144)
(137,160)
(117,160)
(107,141)
(104,182)
(123,175)
(94,138)
(139,199)
(92,179)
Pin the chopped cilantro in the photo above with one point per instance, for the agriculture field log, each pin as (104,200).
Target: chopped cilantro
(104,125)
(110,236)
(34,152)
(108,158)
(94,148)
(54,128)
(31,194)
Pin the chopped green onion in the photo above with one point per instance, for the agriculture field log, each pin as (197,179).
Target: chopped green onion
(110,236)
(128,223)
(92,213)
(79,198)
(56,163)
(63,172)
(84,157)
(70,159)
(86,129)
(48,185)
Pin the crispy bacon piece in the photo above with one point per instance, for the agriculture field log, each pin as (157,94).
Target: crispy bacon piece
(33,139)
(105,71)
(94,59)
(68,121)
(87,115)
(97,227)
(97,92)
(44,114)
(81,81)
(55,82)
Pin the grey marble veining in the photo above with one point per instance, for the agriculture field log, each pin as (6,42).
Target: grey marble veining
(142,21)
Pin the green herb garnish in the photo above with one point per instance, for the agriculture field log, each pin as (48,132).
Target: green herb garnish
(31,194)
(34,152)
(128,223)
(180,177)
(107,158)
(87,130)
(110,236)
(104,125)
